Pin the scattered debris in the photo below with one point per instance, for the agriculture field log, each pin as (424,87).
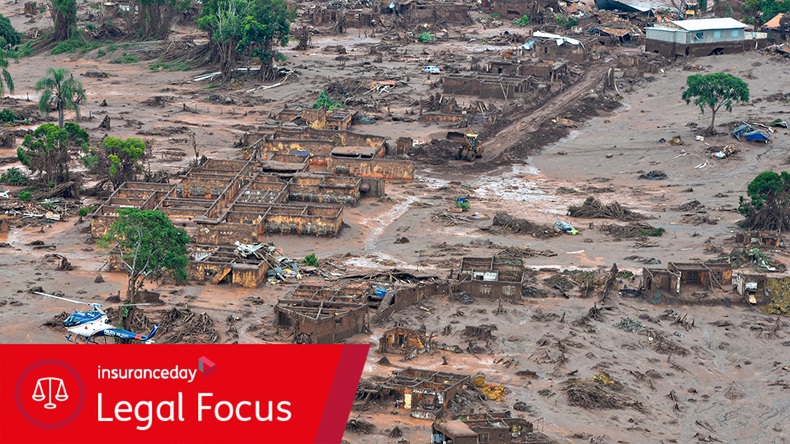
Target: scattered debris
(592,208)
(629,324)
(654,175)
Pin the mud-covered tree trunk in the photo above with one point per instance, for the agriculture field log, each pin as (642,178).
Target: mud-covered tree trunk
(268,55)
(64,15)
(155,18)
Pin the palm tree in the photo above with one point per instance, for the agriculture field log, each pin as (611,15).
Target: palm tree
(5,78)
(63,89)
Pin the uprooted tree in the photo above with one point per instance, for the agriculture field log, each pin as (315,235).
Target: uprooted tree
(714,91)
(768,207)
(49,150)
(117,161)
(150,247)
(246,28)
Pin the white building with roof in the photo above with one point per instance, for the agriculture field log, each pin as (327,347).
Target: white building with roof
(699,37)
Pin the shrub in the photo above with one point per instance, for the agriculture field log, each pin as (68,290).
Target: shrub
(15,177)
(327,103)
(566,22)
(310,260)
(178,65)
(84,211)
(425,37)
(100,53)
(8,115)
(8,32)
(523,21)
(76,44)
(26,196)
(125,58)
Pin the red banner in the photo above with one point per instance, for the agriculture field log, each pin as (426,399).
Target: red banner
(177,393)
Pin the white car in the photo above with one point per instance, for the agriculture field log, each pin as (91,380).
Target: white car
(431,69)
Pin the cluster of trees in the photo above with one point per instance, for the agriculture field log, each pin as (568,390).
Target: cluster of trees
(760,11)
(236,28)
(247,28)
(768,203)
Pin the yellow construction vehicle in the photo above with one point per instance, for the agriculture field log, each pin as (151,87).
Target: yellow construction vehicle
(470,146)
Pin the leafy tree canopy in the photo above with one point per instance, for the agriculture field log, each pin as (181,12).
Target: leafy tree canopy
(150,247)
(714,91)
(8,32)
(118,160)
(61,89)
(768,207)
(50,148)
(247,27)
(763,10)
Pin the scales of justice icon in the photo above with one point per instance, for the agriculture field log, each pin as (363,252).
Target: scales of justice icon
(39,394)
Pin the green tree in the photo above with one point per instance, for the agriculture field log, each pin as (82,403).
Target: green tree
(155,17)
(64,15)
(149,246)
(8,33)
(327,103)
(48,151)
(5,77)
(714,91)
(523,21)
(247,27)
(117,161)
(61,89)
(760,11)
(768,207)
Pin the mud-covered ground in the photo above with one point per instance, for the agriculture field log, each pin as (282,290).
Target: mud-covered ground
(729,383)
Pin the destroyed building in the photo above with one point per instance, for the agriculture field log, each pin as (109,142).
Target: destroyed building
(322,315)
(701,37)
(764,238)
(402,340)
(438,12)
(490,428)
(425,392)
(233,201)
(224,263)
(492,277)
(338,120)
(341,153)
(331,14)
(689,282)
(776,30)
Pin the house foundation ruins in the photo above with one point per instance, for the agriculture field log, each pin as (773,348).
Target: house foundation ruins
(492,277)
(424,392)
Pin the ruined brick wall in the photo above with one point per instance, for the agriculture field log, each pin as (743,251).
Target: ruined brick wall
(101,224)
(671,50)
(316,224)
(402,298)
(461,85)
(497,90)
(227,233)
(374,168)
(492,289)
(248,275)
(332,329)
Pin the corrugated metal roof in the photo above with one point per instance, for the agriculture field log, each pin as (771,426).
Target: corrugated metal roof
(617,32)
(634,5)
(714,23)
(774,22)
